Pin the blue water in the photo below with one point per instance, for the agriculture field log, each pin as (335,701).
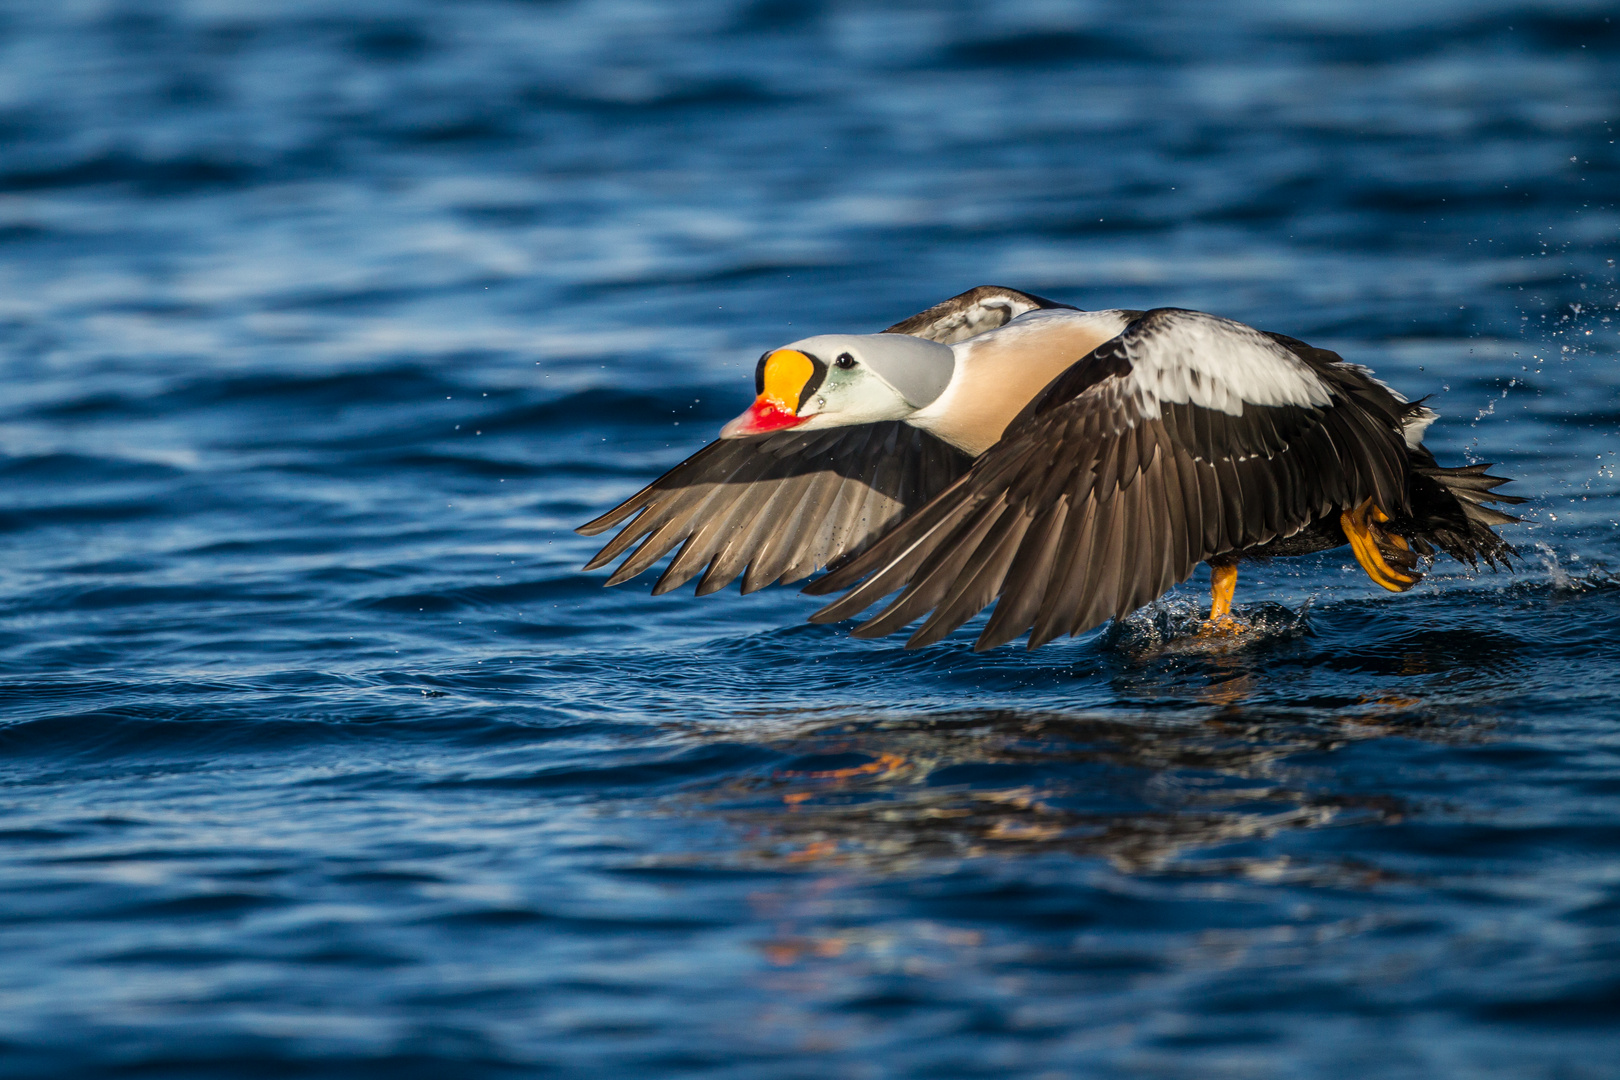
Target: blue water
(323,323)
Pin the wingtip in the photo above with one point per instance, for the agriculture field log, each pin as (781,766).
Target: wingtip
(926,636)
(707,587)
(845,607)
(599,525)
(994,637)
(666,584)
(824,616)
(818,587)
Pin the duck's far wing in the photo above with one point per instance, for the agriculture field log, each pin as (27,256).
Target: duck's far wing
(779,507)
(1185,437)
(964,315)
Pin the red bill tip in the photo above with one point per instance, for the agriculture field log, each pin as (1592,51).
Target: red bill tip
(764,415)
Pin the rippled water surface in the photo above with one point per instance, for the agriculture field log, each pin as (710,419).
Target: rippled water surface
(322,324)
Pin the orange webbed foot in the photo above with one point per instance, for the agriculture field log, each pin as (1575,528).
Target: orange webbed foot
(1387,558)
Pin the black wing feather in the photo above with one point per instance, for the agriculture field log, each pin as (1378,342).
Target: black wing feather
(776,507)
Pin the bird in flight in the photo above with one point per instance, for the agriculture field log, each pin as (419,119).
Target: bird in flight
(1068,466)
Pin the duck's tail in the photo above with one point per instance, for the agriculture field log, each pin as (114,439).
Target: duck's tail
(1449,512)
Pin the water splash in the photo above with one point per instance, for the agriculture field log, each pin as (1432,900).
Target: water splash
(1595,575)
(1178,625)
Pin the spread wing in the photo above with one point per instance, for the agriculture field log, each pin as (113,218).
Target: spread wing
(1185,437)
(775,507)
(784,506)
(973,312)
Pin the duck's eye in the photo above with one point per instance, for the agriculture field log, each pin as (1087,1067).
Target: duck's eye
(844,361)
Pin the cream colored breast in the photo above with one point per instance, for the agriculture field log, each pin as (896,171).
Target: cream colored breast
(999,372)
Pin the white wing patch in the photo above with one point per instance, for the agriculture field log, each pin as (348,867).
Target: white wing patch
(1413,427)
(1190,357)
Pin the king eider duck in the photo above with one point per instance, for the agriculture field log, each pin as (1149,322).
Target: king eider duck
(1069,466)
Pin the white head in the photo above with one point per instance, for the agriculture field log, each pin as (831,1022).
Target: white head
(834,380)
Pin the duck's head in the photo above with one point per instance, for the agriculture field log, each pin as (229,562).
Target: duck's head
(833,380)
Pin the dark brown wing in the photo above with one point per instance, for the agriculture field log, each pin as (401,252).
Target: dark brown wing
(1099,498)
(973,312)
(779,506)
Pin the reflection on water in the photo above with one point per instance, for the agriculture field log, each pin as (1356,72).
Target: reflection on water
(1160,793)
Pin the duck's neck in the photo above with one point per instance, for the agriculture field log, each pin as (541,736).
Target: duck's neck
(999,372)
